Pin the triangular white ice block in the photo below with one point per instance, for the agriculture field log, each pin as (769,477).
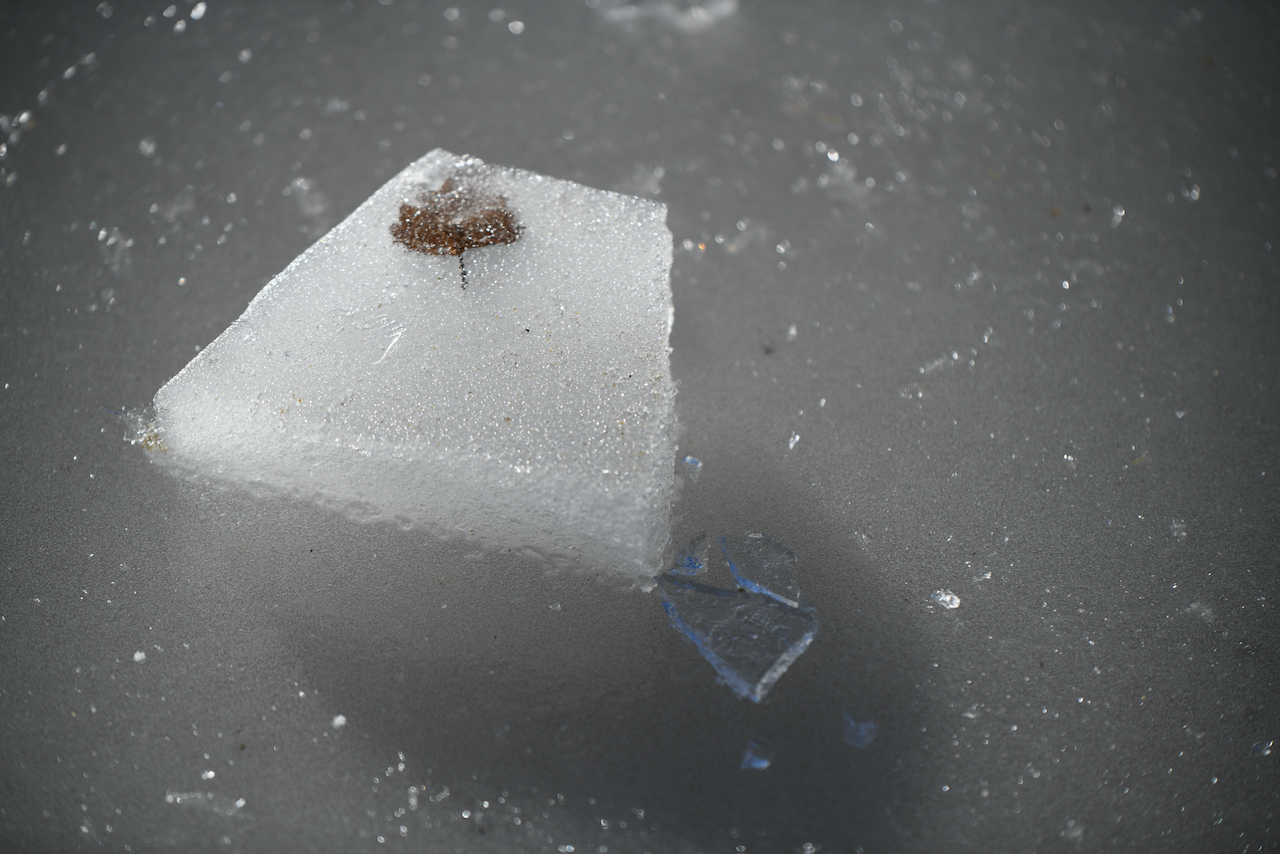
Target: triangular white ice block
(532,408)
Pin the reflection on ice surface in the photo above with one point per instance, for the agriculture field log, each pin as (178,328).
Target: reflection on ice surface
(750,635)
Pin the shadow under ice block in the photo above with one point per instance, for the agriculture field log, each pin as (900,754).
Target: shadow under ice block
(476,349)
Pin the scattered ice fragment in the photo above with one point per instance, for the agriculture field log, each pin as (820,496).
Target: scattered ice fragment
(683,17)
(1263,749)
(793,441)
(750,636)
(692,560)
(214,802)
(758,755)
(339,721)
(946,599)
(691,466)
(139,656)
(534,408)
(858,733)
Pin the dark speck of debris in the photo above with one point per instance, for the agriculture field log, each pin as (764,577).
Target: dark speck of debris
(453,219)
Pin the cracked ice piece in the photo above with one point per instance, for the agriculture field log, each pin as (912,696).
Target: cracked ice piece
(749,636)
(750,639)
(534,408)
(763,565)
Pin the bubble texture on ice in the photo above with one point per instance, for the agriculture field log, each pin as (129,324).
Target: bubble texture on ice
(534,408)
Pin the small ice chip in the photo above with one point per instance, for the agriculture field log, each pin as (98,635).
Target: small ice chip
(139,656)
(691,467)
(758,756)
(793,441)
(946,599)
(339,721)
(858,733)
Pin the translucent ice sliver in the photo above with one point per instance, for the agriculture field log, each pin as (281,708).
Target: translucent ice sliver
(752,635)
(532,408)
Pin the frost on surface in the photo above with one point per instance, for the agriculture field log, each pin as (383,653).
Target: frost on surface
(752,634)
(532,408)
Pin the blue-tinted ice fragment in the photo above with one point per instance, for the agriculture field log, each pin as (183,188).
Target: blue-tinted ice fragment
(691,467)
(758,755)
(749,636)
(692,560)
(763,565)
(858,733)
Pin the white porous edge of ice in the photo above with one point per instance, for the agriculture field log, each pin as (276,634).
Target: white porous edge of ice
(532,409)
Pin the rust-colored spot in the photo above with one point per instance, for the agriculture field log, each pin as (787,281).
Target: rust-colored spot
(1055,212)
(453,219)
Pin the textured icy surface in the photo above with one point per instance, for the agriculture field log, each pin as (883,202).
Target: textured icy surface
(750,636)
(532,408)
(1090,469)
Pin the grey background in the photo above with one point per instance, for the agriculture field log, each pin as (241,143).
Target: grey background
(1089,467)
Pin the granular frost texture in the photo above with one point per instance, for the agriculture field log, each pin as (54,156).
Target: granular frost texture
(533,409)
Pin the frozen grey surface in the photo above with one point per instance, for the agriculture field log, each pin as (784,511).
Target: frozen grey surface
(879,363)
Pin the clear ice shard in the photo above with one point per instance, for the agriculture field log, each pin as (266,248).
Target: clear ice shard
(476,349)
(752,635)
